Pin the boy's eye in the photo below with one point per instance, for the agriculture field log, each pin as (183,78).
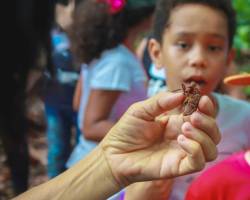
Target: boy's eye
(182,45)
(214,48)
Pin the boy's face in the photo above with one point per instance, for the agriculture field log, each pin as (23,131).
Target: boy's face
(194,47)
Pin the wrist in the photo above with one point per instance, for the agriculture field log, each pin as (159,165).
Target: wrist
(114,161)
(105,174)
(109,169)
(90,177)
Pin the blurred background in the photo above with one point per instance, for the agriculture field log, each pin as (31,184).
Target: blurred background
(242,38)
(37,84)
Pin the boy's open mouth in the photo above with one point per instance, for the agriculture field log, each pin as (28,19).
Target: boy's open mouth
(199,81)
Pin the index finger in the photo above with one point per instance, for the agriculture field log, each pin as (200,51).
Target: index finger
(156,105)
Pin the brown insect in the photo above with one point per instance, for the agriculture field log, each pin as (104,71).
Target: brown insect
(192,99)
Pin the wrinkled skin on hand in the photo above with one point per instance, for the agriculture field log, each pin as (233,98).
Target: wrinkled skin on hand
(146,145)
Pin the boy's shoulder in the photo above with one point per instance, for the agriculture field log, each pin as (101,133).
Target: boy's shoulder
(230,101)
(232,105)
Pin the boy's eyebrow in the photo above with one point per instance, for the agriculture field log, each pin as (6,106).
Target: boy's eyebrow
(190,34)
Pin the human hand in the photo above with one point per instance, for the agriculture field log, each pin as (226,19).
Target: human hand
(145,145)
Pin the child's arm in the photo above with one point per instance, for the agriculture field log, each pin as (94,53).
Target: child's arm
(247,156)
(98,109)
(77,94)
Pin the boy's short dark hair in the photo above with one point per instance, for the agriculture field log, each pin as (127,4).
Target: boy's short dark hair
(165,7)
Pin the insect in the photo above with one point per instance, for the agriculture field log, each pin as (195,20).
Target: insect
(192,99)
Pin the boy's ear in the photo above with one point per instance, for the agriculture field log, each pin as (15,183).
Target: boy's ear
(154,49)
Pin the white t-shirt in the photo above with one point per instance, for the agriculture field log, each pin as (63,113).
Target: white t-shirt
(119,70)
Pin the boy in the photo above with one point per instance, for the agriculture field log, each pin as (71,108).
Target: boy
(192,42)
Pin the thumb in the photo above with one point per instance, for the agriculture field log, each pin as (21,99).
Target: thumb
(156,105)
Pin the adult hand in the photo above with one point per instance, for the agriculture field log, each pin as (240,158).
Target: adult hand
(150,143)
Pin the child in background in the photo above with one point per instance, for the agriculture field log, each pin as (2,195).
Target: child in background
(229,179)
(61,119)
(157,79)
(192,42)
(103,36)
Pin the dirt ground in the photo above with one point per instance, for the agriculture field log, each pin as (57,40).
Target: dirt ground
(37,141)
(38,162)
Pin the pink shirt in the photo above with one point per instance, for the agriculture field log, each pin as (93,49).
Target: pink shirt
(229,179)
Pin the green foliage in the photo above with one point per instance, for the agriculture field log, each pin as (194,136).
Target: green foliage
(242,38)
(247,91)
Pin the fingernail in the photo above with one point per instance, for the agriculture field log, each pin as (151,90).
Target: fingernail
(187,126)
(181,138)
(197,114)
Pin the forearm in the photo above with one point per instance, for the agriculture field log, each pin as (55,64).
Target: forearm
(98,130)
(91,178)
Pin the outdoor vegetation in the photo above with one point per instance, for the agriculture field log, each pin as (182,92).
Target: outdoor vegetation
(242,38)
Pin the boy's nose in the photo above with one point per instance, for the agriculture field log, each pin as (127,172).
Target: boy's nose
(198,57)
